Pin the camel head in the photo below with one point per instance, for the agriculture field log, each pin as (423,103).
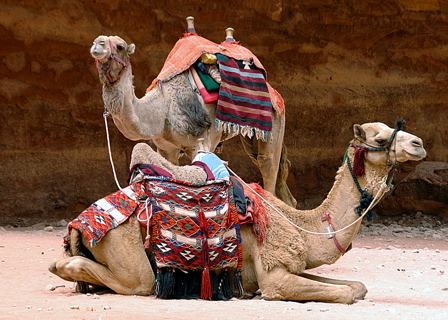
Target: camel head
(111,55)
(385,145)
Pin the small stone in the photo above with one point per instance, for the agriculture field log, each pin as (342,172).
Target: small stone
(391,248)
(106,308)
(74,307)
(61,223)
(437,251)
(49,229)
(89,309)
(28,307)
(324,310)
(50,287)
(49,309)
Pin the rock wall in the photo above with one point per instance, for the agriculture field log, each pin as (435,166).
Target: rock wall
(335,63)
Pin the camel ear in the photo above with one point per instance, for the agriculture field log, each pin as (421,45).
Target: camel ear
(131,48)
(360,134)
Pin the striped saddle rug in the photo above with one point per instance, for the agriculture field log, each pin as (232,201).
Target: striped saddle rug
(244,101)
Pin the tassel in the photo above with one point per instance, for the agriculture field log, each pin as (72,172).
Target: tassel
(358,165)
(226,288)
(147,242)
(166,283)
(206,286)
(238,283)
(216,292)
(364,202)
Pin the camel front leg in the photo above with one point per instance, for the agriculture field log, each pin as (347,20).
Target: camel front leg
(121,262)
(279,284)
(83,269)
(359,288)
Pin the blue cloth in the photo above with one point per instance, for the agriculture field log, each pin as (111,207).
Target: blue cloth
(215,164)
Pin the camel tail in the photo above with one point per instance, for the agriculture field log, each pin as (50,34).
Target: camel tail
(281,188)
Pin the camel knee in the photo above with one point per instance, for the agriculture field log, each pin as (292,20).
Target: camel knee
(53,268)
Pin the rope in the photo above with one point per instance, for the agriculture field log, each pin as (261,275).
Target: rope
(383,189)
(105,114)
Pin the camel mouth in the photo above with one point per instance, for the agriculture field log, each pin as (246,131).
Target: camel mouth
(102,56)
(418,155)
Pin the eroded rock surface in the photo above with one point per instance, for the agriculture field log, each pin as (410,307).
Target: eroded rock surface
(335,64)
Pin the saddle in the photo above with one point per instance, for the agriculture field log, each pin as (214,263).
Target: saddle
(193,229)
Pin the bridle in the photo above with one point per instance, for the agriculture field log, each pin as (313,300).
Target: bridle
(105,68)
(358,167)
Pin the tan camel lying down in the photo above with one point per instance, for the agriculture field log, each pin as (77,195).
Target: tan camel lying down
(277,266)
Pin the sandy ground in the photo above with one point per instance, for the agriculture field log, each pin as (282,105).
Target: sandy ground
(407,278)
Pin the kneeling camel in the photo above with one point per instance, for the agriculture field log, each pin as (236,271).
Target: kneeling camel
(277,266)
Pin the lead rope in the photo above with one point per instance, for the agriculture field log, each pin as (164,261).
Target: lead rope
(383,189)
(105,114)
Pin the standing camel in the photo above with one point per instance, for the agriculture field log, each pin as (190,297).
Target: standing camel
(277,265)
(174,116)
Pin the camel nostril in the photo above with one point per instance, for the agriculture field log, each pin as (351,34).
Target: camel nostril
(417,144)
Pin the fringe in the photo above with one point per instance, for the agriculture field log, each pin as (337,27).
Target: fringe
(245,131)
(165,283)
(238,284)
(226,288)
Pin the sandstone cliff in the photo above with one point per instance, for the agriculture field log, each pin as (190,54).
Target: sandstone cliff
(335,63)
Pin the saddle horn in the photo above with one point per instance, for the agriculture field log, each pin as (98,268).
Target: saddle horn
(229,35)
(190,25)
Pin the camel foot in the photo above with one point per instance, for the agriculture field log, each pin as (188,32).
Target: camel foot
(359,290)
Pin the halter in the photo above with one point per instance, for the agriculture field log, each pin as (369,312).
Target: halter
(106,67)
(358,167)
(365,199)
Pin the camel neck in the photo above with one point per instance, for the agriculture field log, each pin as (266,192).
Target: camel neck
(340,205)
(133,117)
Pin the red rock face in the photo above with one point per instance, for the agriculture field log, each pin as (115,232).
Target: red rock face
(335,65)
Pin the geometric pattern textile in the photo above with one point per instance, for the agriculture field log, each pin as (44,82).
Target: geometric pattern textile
(104,215)
(194,227)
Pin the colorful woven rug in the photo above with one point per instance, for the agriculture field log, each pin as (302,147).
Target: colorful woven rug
(244,103)
(194,227)
(104,215)
(189,48)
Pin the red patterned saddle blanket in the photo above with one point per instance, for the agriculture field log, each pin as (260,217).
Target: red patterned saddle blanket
(194,227)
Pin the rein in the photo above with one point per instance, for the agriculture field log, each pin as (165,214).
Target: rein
(105,68)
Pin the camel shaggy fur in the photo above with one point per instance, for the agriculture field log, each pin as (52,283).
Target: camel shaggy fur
(277,267)
(174,116)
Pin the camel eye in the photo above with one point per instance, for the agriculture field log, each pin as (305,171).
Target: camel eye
(120,47)
(381,141)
